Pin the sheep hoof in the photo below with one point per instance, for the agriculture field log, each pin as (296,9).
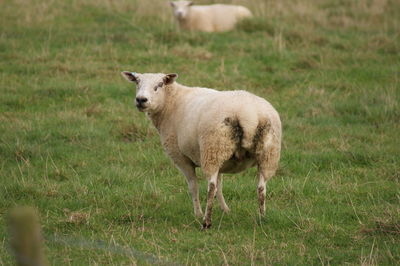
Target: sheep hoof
(206,226)
(226,210)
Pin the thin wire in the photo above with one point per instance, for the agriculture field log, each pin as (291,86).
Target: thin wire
(95,245)
(112,248)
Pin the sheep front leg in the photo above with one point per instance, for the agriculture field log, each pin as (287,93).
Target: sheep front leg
(191,179)
(212,189)
(220,196)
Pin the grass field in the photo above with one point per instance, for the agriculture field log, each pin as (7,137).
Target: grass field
(73,146)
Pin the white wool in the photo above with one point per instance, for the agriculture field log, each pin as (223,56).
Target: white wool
(208,18)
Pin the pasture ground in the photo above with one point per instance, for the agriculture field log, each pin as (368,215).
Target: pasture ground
(73,146)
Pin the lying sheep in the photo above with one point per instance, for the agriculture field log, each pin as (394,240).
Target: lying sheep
(210,18)
(219,131)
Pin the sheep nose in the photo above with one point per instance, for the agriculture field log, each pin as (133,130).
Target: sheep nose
(141,100)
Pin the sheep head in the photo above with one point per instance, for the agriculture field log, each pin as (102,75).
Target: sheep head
(181,9)
(150,89)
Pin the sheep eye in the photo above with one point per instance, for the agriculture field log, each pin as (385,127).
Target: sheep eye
(158,86)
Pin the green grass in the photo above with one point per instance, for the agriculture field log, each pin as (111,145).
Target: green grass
(73,146)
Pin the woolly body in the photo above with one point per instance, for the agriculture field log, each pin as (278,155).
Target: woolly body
(202,119)
(209,18)
(220,131)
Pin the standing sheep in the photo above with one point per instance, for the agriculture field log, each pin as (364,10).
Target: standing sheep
(219,131)
(209,18)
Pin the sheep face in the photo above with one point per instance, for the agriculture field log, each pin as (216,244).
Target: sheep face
(150,89)
(181,9)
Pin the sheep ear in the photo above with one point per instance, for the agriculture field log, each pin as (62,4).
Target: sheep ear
(130,76)
(170,78)
(190,3)
(172,3)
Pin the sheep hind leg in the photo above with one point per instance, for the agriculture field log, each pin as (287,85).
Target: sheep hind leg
(211,191)
(268,154)
(267,166)
(220,196)
(263,177)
